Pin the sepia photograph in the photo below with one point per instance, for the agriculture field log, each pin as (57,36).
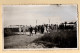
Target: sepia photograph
(40,26)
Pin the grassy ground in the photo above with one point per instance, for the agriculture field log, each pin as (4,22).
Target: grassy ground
(60,39)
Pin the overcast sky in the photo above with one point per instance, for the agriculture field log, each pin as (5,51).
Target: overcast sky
(28,14)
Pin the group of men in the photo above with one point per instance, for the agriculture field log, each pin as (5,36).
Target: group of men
(36,29)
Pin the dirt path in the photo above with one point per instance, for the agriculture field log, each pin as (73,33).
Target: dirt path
(20,41)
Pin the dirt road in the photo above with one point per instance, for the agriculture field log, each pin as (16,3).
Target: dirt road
(20,41)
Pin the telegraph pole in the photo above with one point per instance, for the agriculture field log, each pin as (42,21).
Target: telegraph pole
(36,22)
(49,20)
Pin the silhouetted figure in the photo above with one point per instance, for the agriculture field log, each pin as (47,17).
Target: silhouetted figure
(42,29)
(46,27)
(39,28)
(31,29)
(35,29)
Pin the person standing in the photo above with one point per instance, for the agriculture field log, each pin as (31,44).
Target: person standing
(31,29)
(35,29)
(42,29)
(48,29)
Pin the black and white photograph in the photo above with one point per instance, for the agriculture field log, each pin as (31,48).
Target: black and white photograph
(40,26)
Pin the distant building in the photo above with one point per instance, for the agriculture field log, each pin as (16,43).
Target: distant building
(17,28)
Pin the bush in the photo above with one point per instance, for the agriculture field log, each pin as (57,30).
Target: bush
(7,32)
(61,39)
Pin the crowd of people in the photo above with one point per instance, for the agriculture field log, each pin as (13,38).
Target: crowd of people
(41,28)
(36,29)
(48,27)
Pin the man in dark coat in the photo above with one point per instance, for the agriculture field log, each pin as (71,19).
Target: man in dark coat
(35,29)
(42,29)
(31,29)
